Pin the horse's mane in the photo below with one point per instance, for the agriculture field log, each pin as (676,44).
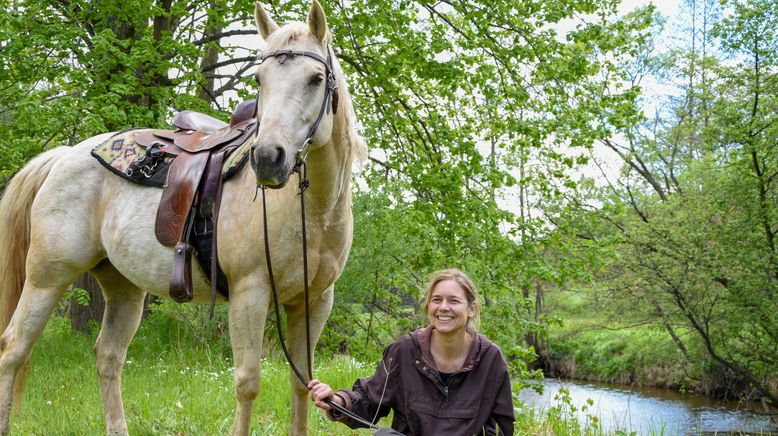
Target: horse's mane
(345,119)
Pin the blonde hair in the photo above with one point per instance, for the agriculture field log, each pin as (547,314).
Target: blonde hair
(464,282)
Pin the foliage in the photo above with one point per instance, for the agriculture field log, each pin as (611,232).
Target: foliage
(170,325)
(77,296)
(86,67)
(694,209)
(476,113)
(459,101)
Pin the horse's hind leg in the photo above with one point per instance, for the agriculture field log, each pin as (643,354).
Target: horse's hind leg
(123,310)
(295,328)
(38,299)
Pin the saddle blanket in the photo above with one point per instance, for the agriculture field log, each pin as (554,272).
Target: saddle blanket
(131,161)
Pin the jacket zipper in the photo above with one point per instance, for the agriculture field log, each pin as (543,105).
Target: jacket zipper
(445,391)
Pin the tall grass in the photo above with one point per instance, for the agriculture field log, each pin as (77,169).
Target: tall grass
(165,392)
(179,387)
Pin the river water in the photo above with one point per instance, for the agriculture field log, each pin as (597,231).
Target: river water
(651,411)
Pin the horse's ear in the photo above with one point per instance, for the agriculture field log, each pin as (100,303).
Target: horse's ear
(317,22)
(265,24)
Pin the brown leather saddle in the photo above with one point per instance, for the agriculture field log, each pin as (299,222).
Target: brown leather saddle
(189,208)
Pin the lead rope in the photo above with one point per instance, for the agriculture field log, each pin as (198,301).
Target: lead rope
(275,294)
(304,183)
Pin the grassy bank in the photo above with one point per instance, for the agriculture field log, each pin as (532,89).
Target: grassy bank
(641,355)
(594,344)
(171,391)
(588,348)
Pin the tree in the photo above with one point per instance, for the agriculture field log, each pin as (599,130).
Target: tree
(461,103)
(86,67)
(695,205)
(86,304)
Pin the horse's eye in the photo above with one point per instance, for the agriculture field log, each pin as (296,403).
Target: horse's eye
(316,80)
(256,78)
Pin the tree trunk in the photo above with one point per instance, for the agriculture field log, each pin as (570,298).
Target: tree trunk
(80,315)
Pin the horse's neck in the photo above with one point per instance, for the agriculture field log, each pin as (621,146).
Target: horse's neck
(330,177)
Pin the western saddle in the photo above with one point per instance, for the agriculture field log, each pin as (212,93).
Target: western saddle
(189,209)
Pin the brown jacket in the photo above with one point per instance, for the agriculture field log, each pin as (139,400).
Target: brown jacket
(473,401)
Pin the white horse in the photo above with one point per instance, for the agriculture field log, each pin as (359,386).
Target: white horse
(64,214)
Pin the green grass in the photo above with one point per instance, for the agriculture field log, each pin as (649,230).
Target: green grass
(165,392)
(177,387)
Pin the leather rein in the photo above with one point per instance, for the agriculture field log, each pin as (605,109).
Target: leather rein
(300,167)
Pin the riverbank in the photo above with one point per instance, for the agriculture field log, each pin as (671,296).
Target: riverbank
(641,357)
(617,356)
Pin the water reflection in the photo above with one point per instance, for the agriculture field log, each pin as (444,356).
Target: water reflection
(650,410)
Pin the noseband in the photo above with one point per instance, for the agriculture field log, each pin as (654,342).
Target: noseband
(330,96)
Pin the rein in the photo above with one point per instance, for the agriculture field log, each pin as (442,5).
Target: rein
(304,182)
(300,167)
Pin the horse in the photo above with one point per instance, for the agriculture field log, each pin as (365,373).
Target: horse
(63,214)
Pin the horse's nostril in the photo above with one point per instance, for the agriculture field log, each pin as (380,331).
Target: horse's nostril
(280,157)
(269,157)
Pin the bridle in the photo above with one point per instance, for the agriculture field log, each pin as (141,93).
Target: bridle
(331,97)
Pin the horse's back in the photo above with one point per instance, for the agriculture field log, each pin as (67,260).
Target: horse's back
(83,214)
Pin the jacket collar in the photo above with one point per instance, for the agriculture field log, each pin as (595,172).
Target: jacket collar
(423,339)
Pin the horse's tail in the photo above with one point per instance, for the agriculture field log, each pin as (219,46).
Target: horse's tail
(15,206)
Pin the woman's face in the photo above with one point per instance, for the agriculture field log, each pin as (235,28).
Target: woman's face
(448,309)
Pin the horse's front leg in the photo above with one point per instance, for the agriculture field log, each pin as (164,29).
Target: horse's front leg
(320,308)
(247,313)
(123,310)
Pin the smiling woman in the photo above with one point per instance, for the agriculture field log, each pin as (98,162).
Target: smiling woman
(442,379)
(451,284)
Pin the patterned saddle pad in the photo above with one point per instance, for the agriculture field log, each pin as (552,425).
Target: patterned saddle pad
(131,161)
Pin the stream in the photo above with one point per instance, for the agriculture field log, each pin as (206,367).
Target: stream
(651,411)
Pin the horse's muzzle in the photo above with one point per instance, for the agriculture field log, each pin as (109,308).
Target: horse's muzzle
(271,165)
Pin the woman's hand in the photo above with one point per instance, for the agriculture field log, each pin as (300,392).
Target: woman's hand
(321,392)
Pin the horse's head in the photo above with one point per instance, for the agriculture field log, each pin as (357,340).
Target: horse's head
(297,97)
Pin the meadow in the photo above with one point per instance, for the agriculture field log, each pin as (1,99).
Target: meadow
(176,384)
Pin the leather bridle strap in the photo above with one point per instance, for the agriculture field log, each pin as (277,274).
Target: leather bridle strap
(275,298)
(303,171)
(303,186)
(330,94)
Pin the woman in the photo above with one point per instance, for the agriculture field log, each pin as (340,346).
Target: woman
(444,379)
